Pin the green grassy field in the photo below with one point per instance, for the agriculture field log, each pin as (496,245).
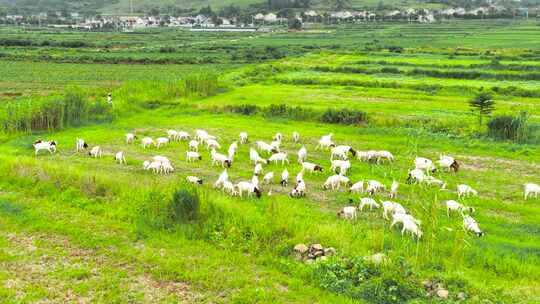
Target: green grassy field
(79,229)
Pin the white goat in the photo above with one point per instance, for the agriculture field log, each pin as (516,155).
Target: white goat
(348,212)
(80,145)
(192,156)
(296,136)
(325,142)
(334,182)
(394,189)
(374,186)
(147,142)
(424,164)
(223,177)
(194,180)
(264,147)
(357,187)
(411,227)
(45,145)
(161,141)
(452,205)
(302,155)
(243,137)
(448,162)
(311,167)
(255,157)
(390,207)
(299,189)
(402,217)
(130,138)
(212,144)
(248,188)
(218,158)
(95,152)
(279,157)
(193,145)
(258,169)
(465,190)
(531,190)
(384,155)
(368,201)
(470,225)
(284,178)
(268,177)
(183,135)
(232,150)
(343,165)
(341,152)
(120,157)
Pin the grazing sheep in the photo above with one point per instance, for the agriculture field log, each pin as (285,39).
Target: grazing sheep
(302,155)
(172,135)
(296,136)
(531,189)
(465,190)
(334,182)
(44,145)
(470,225)
(201,134)
(299,189)
(243,137)
(182,135)
(264,147)
(255,158)
(284,178)
(278,137)
(192,156)
(368,201)
(348,212)
(130,138)
(311,167)
(448,162)
(258,169)
(325,142)
(394,189)
(80,145)
(161,141)
(390,207)
(430,180)
(248,188)
(343,166)
(193,145)
(155,166)
(212,144)
(416,176)
(300,176)
(167,168)
(194,180)
(223,177)
(232,150)
(161,159)
(411,227)
(120,158)
(218,158)
(367,156)
(255,180)
(424,164)
(95,152)
(452,205)
(384,155)
(357,187)
(402,217)
(147,142)
(268,177)
(228,187)
(279,157)
(341,152)
(374,186)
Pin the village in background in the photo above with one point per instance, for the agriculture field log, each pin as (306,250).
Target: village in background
(295,15)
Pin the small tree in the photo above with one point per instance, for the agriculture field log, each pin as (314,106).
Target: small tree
(483,104)
(295,24)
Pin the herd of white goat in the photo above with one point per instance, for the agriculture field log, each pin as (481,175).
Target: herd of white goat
(340,165)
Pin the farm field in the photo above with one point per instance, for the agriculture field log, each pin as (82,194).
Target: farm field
(79,229)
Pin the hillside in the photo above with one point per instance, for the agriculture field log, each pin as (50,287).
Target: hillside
(170,6)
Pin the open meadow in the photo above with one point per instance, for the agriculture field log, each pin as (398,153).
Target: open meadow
(77,228)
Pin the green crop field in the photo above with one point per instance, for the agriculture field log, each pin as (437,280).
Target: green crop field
(74,228)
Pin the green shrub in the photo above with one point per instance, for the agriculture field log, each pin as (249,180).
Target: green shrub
(184,206)
(359,279)
(244,109)
(343,116)
(506,127)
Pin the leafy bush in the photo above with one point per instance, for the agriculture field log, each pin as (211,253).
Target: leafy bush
(359,279)
(508,127)
(244,109)
(283,110)
(343,116)
(184,206)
